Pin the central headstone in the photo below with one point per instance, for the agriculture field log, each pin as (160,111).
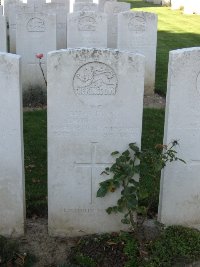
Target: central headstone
(96,108)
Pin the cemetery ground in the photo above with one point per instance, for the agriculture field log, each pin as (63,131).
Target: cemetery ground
(152,246)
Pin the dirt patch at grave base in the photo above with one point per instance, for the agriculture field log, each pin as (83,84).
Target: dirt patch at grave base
(49,251)
(154,101)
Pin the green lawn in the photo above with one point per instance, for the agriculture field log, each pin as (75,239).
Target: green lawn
(175,31)
(35,141)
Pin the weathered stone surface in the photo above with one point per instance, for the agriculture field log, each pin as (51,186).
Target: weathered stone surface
(94,109)
(12,203)
(137,32)
(1,9)
(102,4)
(112,9)
(166,2)
(78,6)
(3,34)
(36,33)
(87,29)
(13,12)
(180,183)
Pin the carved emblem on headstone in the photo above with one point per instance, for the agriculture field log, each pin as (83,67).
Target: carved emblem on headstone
(36,25)
(87,23)
(95,78)
(137,24)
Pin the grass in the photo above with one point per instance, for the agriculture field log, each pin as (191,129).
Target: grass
(35,150)
(175,31)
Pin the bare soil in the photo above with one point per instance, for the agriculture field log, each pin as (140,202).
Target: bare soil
(49,251)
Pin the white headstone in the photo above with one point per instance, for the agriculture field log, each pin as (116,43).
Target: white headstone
(60,10)
(14,10)
(137,32)
(7,4)
(65,2)
(78,6)
(3,34)
(102,4)
(166,2)
(83,1)
(157,2)
(96,108)
(12,200)
(177,4)
(192,7)
(87,29)
(36,33)
(180,183)
(1,10)
(112,9)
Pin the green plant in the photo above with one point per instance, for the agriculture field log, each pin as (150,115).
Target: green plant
(124,173)
(176,246)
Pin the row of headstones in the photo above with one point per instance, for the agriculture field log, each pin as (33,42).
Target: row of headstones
(189,7)
(94,109)
(32,33)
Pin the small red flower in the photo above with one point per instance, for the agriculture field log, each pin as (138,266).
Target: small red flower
(39,56)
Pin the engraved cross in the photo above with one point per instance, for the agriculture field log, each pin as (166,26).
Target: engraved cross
(92,165)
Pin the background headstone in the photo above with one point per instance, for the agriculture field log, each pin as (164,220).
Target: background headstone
(1,10)
(112,9)
(137,32)
(177,4)
(12,199)
(36,33)
(166,2)
(13,12)
(78,6)
(3,34)
(180,183)
(60,10)
(96,108)
(101,4)
(87,29)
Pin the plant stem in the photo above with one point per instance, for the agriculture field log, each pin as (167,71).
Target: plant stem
(40,64)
